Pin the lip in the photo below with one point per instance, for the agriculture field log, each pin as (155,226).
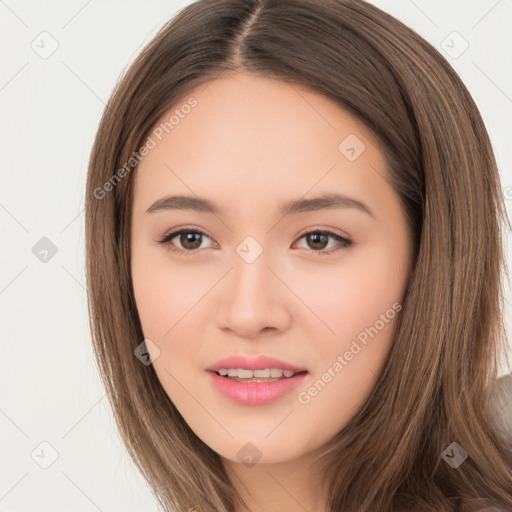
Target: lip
(254,363)
(255,393)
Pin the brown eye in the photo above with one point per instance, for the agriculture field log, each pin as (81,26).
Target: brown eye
(317,241)
(188,241)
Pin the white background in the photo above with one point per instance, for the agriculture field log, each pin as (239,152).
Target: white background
(50,109)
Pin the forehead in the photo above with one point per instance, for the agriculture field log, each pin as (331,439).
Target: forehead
(248,135)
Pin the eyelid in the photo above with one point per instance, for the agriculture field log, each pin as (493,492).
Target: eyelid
(165,239)
(344,241)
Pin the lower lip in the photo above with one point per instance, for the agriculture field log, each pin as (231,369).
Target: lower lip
(255,393)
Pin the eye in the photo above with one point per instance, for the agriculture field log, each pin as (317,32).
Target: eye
(191,240)
(319,239)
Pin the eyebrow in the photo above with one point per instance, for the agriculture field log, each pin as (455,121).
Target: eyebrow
(326,201)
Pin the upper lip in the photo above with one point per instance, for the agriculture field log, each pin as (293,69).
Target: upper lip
(253,363)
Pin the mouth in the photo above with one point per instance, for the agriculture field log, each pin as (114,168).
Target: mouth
(264,375)
(255,381)
(255,390)
(259,364)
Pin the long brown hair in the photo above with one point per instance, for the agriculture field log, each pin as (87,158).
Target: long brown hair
(436,385)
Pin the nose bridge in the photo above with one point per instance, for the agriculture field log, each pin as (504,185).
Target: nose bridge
(249,304)
(250,274)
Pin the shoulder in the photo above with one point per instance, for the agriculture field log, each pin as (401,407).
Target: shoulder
(501,403)
(501,397)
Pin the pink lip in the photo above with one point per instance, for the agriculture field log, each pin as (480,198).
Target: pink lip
(254,363)
(255,393)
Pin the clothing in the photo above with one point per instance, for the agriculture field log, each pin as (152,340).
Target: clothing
(502,404)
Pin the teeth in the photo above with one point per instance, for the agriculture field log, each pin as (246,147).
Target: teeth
(249,374)
(242,374)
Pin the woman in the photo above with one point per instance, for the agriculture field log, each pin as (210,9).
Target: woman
(294,253)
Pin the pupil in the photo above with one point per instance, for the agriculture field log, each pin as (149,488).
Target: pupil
(187,238)
(316,236)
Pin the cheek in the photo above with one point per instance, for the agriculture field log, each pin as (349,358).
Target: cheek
(362,308)
(173,306)
(343,301)
(164,293)
(165,298)
(358,306)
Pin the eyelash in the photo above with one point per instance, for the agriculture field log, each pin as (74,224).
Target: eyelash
(344,242)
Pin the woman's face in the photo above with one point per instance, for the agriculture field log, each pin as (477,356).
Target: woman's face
(265,274)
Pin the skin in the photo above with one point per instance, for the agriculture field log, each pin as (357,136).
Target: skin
(249,144)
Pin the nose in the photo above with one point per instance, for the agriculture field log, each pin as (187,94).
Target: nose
(253,300)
